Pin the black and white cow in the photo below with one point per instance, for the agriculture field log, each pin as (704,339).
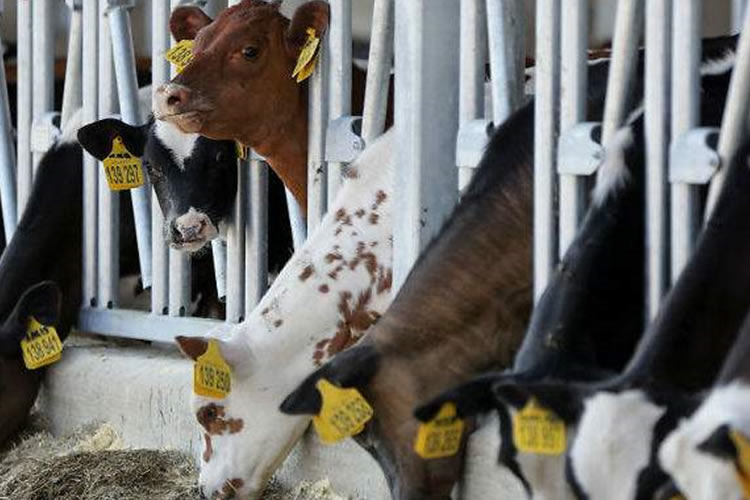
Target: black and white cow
(579,333)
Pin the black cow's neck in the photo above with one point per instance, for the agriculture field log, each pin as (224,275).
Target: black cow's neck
(47,241)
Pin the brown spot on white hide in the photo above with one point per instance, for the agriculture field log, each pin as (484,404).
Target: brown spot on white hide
(306,272)
(211,417)
(208,450)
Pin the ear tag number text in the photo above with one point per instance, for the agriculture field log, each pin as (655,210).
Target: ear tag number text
(212,376)
(308,56)
(441,436)
(742,466)
(344,413)
(41,346)
(538,430)
(122,168)
(180,55)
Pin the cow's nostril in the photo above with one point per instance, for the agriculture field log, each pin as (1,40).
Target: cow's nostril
(173,99)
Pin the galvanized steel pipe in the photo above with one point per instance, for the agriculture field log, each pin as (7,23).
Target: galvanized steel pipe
(7,157)
(24,111)
(43,77)
(379,62)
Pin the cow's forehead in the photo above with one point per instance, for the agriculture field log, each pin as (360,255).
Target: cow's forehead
(231,26)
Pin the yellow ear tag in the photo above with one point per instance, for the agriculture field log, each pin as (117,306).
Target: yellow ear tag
(308,56)
(41,346)
(344,413)
(538,430)
(123,170)
(180,54)
(742,466)
(212,376)
(441,436)
(241,150)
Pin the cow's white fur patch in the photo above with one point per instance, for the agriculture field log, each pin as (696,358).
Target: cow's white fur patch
(613,174)
(179,144)
(613,443)
(700,475)
(285,330)
(719,66)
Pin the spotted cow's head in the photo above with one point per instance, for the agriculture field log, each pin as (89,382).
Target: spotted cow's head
(195,178)
(245,435)
(708,454)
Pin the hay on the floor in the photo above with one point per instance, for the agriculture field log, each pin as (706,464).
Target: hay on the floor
(91,464)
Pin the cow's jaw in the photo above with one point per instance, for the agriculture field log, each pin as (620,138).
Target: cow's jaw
(700,475)
(614,435)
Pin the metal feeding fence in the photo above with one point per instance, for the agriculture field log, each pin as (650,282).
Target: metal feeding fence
(444,109)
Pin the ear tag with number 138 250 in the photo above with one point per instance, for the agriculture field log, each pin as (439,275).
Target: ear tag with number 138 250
(41,346)
(212,376)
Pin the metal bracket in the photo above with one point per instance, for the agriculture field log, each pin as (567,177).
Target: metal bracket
(45,132)
(471,140)
(343,141)
(693,158)
(578,149)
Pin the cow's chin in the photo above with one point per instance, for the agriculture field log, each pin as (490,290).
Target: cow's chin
(190,246)
(189,122)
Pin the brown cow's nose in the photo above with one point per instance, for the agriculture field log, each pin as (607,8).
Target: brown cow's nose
(171,98)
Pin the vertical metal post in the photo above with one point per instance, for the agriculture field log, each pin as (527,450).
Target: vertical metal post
(574,38)
(340,81)
(427,35)
(296,220)
(72,93)
(379,64)
(24,87)
(7,156)
(43,77)
(505,34)
(159,74)
(473,35)
(179,265)
(219,256)
(109,202)
(686,47)
(236,248)
(90,165)
(256,235)
(628,29)
(734,121)
(127,90)
(545,141)
(738,14)
(657,109)
(317,125)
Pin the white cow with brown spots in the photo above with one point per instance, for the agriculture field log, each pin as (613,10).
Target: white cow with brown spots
(327,296)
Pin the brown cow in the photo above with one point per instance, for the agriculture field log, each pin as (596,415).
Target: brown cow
(239,85)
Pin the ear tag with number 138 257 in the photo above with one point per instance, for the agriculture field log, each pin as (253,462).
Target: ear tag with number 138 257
(41,346)
(344,412)
(122,168)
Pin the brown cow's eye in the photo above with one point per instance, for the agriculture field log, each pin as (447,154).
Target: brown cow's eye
(250,53)
(211,412)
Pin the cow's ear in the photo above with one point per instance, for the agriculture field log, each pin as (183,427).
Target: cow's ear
(97,137)
(563,398)
(42,301)
(233,349)
(185,22)
(315,15)
(472,398)
(354,367)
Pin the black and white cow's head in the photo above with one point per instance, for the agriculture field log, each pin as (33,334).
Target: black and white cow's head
(195,178)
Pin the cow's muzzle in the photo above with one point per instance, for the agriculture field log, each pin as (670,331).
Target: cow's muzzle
(191,231)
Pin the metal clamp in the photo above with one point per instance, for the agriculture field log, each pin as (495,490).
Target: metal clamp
(470,142)
(45,132)
(579,151)
(693,158)
(343,141)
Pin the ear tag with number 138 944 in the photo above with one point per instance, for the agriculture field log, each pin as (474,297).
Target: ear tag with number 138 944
(41,346)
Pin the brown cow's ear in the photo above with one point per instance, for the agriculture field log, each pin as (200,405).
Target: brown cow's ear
(192,347)
(316,15)
(187,21)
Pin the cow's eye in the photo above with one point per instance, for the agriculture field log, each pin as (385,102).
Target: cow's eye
(250,53)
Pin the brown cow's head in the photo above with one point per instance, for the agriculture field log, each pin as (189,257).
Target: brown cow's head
(239,84)
(387,384)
